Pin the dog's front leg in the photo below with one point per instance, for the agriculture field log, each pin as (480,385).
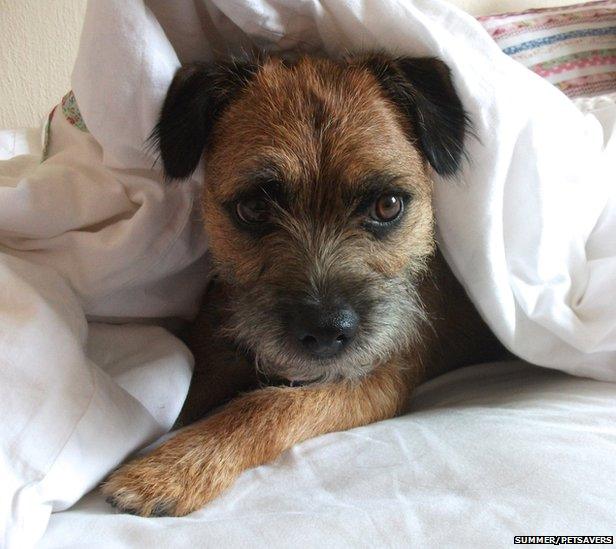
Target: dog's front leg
(204,459)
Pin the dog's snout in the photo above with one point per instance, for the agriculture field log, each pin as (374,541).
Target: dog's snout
(323,330)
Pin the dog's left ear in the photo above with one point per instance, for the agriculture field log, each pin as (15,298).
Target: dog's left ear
(423,90)
(197,97)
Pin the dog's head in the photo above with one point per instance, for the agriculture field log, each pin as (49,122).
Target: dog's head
(317,198)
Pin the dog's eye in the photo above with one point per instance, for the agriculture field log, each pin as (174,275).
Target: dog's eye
(387,207)
(253,210)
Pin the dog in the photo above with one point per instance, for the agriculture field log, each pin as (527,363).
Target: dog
(330,301)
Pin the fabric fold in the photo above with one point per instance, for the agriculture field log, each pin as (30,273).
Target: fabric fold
(92,236)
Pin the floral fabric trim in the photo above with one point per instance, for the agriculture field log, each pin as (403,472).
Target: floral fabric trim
(551,21)
(46,135)
(588,86)
(593,58)
(573,47)
(71,111)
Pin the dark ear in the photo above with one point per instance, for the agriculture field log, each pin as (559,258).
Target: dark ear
(423,90)
(196,98)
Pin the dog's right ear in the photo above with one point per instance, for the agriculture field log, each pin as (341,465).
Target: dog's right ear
(196,98)
(422,88)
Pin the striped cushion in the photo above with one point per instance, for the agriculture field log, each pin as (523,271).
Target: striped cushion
(574,47)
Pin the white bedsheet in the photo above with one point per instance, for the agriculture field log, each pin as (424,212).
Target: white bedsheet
(92,236)
(488,452)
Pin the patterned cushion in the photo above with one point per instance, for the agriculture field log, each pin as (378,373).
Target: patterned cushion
(574,47)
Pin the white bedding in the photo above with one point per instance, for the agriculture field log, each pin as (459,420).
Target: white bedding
(488,453)
(92,239)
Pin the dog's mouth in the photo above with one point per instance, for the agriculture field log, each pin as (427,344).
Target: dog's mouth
(290,369)
(293,343)
(276,381)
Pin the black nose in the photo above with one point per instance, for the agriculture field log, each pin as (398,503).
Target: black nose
(323,330)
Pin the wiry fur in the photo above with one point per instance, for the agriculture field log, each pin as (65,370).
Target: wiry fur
(320,247)
(320,139)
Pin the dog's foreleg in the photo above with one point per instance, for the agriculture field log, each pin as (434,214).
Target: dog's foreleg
(204,459)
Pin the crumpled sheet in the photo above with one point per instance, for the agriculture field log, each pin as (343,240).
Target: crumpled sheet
(487,453)
(91,239)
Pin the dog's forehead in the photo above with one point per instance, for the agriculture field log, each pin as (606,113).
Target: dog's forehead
(316,121)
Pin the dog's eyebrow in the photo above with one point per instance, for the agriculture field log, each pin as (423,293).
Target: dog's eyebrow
(372,185)
(267,180)
(377,180)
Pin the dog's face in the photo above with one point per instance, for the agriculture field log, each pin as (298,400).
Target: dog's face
(317,199)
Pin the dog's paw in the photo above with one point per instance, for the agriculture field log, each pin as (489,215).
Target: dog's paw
(143,487)
(176,479)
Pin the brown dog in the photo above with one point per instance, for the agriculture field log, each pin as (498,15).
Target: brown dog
(317,203)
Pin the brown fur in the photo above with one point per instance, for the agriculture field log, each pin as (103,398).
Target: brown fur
(325,127)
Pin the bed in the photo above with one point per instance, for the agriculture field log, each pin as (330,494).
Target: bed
(99,257)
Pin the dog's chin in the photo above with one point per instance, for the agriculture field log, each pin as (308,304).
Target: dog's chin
(302,370)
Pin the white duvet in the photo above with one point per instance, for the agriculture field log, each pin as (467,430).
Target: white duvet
(97,255)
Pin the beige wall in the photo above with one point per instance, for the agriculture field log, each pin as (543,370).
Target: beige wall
(39,40)
(38,44)
(487,7)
